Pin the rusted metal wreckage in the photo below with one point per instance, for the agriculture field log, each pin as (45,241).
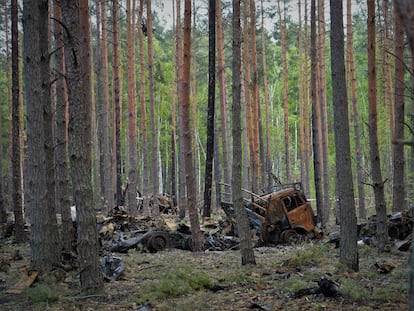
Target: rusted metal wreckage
(283,215)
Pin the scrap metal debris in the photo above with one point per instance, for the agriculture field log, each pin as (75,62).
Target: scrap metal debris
(326,286)
(112,267)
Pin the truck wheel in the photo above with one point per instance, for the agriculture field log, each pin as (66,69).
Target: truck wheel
(290,236)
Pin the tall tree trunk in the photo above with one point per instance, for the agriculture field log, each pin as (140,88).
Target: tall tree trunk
(211,107)
(132,111)
(16,160)
(116,100)
(78,77)
(104,117)
(154,140)
(285,92)
(398,157)
(246,249)
(184,87)
(317,158)
(345,188)
(323,108)
(143,110)
(99,182)
(387,89)
(405,11)
(61,133)
(45,244)
(255,100)
(3,212)
(307,123)
(224,109)
(353,91)
(193,102)
(247,93)
(182,190)
(377,182)
(303,168)
(174,118)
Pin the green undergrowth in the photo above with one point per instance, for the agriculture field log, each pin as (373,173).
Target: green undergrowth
(180,281)
(44,292)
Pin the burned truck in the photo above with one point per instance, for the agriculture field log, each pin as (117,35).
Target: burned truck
(283,215)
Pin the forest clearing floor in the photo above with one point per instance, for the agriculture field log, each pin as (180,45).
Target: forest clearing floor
(176,279)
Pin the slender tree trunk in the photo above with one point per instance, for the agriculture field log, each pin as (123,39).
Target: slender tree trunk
(211,107)
(16,160)
(78,77)
(398,157)
(255,100)
(193,102)
(307,123)
(377,181)
(116,100)
(224,109)
(181,157)
(3,212)
(100,185)
(132,114)
(143,110)
(345,189)
(301,99)
(154,141)
(246,249)
(285,93)
(184,87)
(247,94)
(357,136)
(323,110)
(174,119)
(317,158)
(61,133)
(105,144)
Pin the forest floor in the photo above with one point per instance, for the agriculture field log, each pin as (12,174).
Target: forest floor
(176,279)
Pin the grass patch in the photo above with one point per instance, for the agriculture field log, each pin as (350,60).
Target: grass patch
(352,289)
(41,294)
(313,256)
(181,281)
(294,284)
(238,277)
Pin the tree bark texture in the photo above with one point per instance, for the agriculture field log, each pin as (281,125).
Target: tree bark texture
(78,78)
(189,171)
(16,159)
(316,130)
(211,107)
(116,100)
(376,175)
(354,100)
(45,243)
(323,108)
(154,140)
(243,227)
(224,109)
(344,184)
(398,157)
(61,138)
(132,111)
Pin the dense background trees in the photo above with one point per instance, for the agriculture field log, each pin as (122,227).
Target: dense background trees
(139,87)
